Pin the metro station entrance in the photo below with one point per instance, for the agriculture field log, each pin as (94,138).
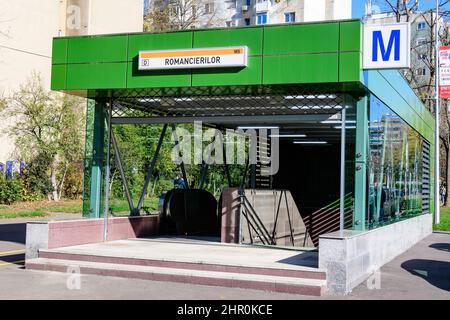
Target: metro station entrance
(283,169)
(319,145)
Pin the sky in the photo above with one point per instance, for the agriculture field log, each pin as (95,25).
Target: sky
(358,6)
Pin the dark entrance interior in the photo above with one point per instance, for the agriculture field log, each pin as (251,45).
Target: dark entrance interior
(311,173)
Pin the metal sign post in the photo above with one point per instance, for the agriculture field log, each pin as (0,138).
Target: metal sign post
(437,202)
(107,171)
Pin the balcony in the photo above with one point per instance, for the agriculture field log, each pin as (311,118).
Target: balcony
(245,8)
(262,6)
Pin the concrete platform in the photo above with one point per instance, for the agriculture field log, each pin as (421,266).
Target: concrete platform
(192,261)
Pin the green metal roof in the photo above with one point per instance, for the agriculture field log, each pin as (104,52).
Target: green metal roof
(313,53)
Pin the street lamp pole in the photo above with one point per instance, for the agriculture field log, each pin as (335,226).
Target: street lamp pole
(437,201)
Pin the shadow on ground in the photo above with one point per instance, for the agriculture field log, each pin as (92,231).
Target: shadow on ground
(13,232)
(437,273)
(304,259)
(441,246)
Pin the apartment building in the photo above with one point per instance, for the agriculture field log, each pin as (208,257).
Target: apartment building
(27,28)
(231,13)
(285,11)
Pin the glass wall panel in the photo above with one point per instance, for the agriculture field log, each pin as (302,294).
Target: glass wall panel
(350,145)
(394,167)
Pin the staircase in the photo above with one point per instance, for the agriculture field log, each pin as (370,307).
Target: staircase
(104,259)
(263,179)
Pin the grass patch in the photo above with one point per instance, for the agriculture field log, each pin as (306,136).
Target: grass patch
(44,208)
(39,208)
(445,220)
(22,214)
(121,205)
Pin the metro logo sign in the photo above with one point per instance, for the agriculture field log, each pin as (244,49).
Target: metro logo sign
(386,46)
(226,57)
(378,46)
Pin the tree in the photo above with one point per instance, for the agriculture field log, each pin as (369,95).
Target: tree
(401,8)
(180,14)
(48,125)
(2,103)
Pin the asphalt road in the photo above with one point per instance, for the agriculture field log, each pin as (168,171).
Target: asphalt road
(12,243)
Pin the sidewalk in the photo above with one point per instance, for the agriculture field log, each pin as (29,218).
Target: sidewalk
(423,272)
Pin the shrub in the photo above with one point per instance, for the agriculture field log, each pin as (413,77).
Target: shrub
(73,183)
(162,185)
(36,182)
(10,190)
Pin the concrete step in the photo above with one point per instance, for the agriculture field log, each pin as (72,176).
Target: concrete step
(314,287)
(193,264)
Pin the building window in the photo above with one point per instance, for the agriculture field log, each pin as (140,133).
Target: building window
(248,2)
(421,72)
(289,17)
(209,8)
(247,21)
(421,41)
(421,26)
(261,18)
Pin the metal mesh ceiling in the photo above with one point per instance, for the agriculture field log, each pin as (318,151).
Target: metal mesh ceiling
(228,105)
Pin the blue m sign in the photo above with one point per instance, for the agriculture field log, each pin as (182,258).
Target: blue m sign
(379,45)
(387,46)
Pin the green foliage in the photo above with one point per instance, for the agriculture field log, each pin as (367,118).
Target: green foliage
(160,186)
(73,180)
(444,224)
(36,182)
(49,136)
(137,145)
(2,104)
(10,190)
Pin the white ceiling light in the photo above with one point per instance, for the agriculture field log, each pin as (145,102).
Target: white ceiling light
(259,127)
(288,135)
(310,142)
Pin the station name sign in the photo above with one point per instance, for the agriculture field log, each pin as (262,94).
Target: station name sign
(226,57)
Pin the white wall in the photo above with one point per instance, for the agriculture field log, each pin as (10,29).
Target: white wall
(351,256)
(116,16)
(343,9)
(27,28)
(314,10)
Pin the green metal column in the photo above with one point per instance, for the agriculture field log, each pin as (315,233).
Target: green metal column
(362,142)
(96,176)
